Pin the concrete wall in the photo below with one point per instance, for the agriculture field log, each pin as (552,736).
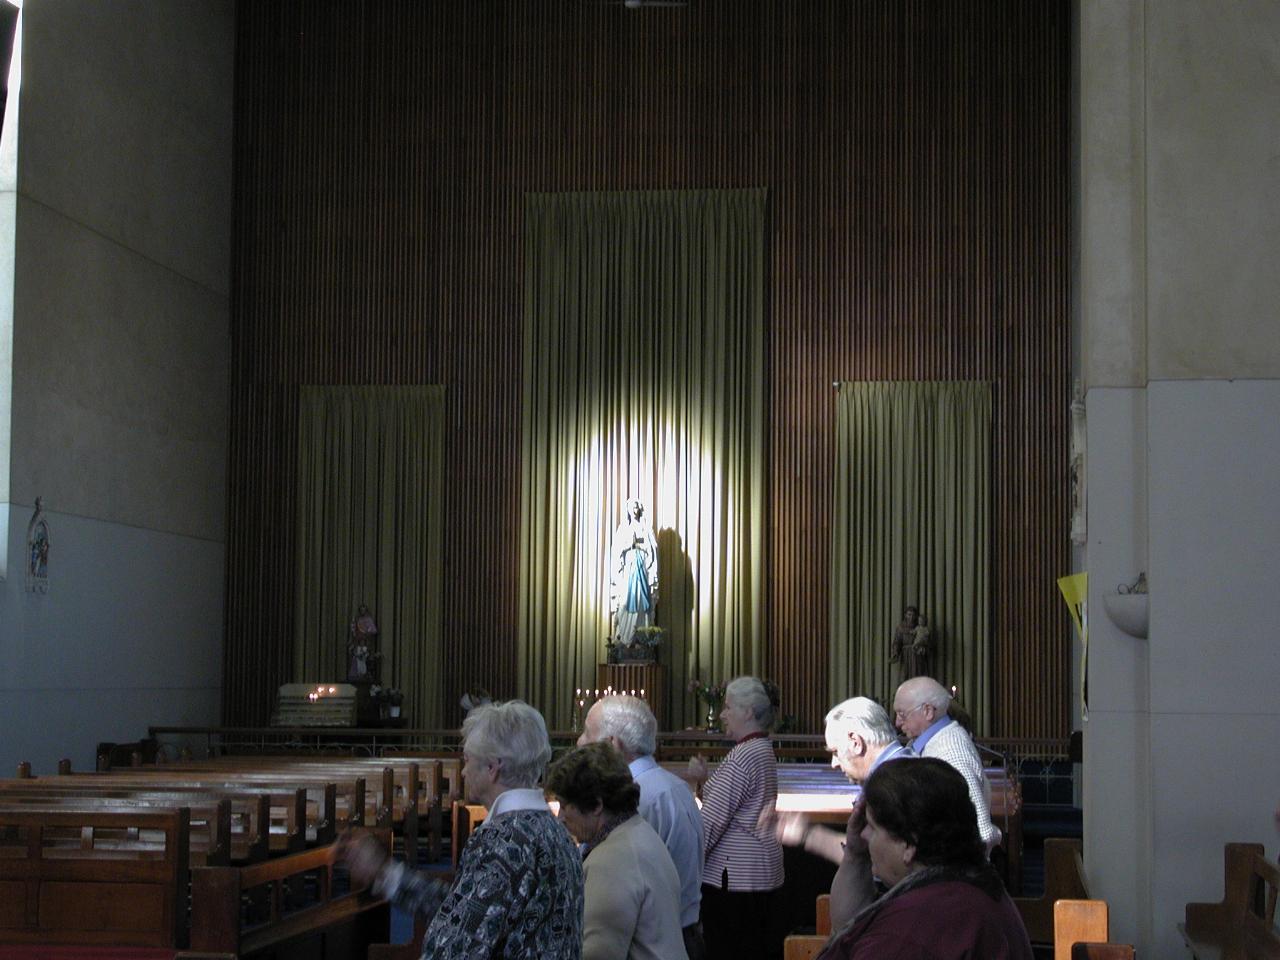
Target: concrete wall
(121,327)
(1180,207)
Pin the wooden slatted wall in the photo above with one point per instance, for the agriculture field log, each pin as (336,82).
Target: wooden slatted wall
(915,153)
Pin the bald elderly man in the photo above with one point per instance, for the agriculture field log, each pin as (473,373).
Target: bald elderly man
(920,710)
(860,737)
(666,801)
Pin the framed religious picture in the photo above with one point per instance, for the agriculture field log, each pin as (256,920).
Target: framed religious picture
(38,550)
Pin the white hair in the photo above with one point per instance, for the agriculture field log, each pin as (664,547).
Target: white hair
(512,734)
(927,690)
(632,722)
(750,692)
(866,718)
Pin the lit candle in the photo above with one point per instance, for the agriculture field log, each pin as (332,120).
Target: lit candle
(642,693)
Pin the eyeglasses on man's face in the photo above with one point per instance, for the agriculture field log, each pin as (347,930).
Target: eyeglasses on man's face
(900,715)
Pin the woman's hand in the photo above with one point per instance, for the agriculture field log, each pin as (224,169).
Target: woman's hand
(365,856)
(698,769)
(855,848)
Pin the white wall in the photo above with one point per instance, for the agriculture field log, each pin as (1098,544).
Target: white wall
(130,634)
(1214,664)
(121,348)
(1180,231)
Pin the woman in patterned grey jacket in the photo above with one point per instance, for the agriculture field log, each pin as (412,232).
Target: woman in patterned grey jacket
(518,892)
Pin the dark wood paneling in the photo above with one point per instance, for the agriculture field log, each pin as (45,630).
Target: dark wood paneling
(915,154)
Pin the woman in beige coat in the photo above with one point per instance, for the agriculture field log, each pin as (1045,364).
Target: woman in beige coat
(632,896)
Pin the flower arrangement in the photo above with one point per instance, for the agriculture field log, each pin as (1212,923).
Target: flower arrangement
(712,694)
(643,647)
(388,699)
(650,635)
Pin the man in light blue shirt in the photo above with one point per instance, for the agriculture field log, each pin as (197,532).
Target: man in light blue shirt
(666,801)
(920,709)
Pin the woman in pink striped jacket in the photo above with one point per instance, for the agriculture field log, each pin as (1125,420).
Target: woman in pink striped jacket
(743,862)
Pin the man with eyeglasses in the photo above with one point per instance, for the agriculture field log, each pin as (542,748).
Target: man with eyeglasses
(920,712)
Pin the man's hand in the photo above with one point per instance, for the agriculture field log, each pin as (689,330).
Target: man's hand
(365,856)
(789,826)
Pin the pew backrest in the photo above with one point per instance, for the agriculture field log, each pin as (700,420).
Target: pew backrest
(467,817)
(209,824)
(1078,921)
(1101,951)
(1064,879)
(259,908)
(801,946)
(1243,923)
(94,877)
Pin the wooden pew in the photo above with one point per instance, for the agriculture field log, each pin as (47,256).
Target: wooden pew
(299,905)
(1243,923)
(466,818)
(93,877)
(400,794)
(1078,921)
(209,826)
(319,823)
(449,766)
(284,814)
(1064,879)
(410,950)
(802,947)
(1101,951)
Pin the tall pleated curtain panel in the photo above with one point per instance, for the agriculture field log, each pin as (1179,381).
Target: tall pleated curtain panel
(370,474)
(643,376)
(911,526)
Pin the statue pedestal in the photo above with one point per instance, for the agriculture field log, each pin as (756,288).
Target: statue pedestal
(649,677)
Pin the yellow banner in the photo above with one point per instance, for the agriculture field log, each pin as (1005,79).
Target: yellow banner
(1075,590)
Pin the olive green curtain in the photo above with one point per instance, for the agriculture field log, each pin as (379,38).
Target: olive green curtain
(911,526)
(644,376)
(370,468)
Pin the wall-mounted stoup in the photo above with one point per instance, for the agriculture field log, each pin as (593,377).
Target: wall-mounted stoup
(1128,611)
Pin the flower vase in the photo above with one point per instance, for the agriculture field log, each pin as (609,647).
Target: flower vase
(713,717)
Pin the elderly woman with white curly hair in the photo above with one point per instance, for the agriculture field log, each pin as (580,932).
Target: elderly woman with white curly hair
(518,890)
(742,868)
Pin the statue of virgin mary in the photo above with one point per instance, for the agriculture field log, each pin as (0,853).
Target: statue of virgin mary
(633,574)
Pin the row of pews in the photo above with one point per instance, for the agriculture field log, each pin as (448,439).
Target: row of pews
(231,856)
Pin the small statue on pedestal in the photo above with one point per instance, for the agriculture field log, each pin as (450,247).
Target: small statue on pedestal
(911,645)
(362,656)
